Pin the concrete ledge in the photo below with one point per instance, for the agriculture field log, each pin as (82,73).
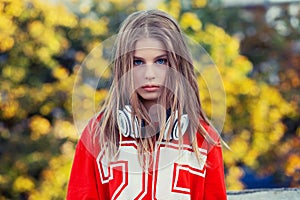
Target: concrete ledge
(262,194)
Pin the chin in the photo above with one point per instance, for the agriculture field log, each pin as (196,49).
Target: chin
(150,97)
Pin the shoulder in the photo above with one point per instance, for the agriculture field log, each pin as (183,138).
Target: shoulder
(88,139)
(208,137)
(211,131)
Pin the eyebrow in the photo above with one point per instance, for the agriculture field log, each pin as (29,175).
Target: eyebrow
(157,57)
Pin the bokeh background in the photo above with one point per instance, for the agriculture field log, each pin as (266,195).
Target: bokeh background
(255,45)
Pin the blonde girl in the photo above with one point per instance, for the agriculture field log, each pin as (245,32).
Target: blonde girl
(151,139)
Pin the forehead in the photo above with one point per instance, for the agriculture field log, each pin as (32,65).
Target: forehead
(149,47)
(149,43)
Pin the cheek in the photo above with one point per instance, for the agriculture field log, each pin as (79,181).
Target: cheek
(137,78)
(162,74)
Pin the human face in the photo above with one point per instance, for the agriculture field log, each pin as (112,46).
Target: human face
(150,66)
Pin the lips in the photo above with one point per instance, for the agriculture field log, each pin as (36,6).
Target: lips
(151,88)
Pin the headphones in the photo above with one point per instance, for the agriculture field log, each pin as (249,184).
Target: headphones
(128,128)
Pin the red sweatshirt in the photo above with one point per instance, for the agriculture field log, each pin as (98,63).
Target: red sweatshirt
(173,175)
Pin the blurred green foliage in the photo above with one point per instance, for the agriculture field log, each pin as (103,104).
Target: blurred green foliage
(42,45)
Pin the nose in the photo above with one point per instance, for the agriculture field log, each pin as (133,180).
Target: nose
(149,72)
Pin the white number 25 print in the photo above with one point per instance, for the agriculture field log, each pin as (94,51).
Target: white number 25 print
(168,176)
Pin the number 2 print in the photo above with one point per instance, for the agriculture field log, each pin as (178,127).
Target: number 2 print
(168,177)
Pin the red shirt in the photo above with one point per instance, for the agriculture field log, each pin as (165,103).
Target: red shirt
(173,175)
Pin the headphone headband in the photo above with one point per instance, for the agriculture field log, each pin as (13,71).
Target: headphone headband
(128,128)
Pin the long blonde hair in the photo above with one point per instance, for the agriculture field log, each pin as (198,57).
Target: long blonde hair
(180,79)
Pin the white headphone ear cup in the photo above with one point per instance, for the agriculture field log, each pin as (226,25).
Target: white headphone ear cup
(174,133)
(168,126)
(184,122)
(167,129)
(134,129)
(124,123)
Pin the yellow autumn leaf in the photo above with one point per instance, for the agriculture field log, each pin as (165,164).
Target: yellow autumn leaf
(6,42)
(63,129)
(60,73)
(199,3)
(293,164)
(39,126)
(23,184)
(190,20)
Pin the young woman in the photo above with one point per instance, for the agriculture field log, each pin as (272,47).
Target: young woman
(151,139)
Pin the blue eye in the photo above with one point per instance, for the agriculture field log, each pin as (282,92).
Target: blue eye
(137,62)
(161,61)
